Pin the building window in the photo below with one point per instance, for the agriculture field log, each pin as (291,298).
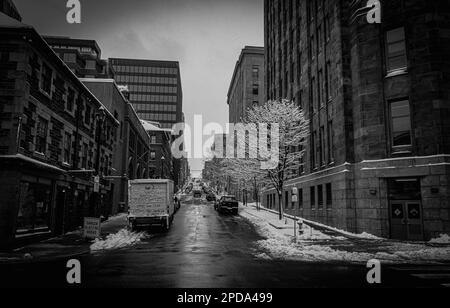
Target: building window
(319,38)
(84,158)
(396,49)
(255,72)
(330,142)
(90,65)
(286,199)
(46,78)
(401,123)
(67,148)
(300,198)
(34,207)
(153,139)
(329,193)
(41,135)
(313,150)
(87,115)
(70,58)
(313,197)
(320,96)
(322,146)
(314,94)
(313,47)
(327,28)
(152,155)
(328,81)
(70,100)
(320,196)
(255,89)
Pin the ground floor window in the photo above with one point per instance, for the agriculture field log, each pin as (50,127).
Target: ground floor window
(34,207)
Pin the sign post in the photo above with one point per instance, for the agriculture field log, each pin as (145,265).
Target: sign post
(295,200)
(92,228)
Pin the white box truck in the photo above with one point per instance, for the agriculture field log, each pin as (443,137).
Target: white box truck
(150,203)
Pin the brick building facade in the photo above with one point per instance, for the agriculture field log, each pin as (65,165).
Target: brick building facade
(55,136)
(83,57)
(132,160)
(378,159)
(161,159)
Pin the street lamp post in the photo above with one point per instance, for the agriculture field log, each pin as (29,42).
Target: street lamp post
(100,117)
(162,166)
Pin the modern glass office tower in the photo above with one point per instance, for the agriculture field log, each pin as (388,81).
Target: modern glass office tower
(155,88)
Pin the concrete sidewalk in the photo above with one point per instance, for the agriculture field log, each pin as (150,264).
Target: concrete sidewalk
(69,245)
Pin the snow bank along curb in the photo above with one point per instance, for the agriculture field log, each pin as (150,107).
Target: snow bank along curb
(313,224)
(123,238)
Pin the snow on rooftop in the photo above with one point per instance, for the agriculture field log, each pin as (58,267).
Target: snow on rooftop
(151,127)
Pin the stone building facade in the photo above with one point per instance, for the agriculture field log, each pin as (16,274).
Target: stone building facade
(247,86)
(378,158)
(54,137)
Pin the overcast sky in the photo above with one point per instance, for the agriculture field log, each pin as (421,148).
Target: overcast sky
(205,36)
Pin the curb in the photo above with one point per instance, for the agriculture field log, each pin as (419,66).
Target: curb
(45,259)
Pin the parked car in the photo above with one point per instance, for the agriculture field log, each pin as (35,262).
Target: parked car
(227,204)
(197,194)
(210,197)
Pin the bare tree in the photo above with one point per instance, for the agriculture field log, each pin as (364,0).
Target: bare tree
(214,174)
(291,138)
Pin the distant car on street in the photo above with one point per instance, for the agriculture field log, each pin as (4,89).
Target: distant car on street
(197,194)
(227,204)
(211,197)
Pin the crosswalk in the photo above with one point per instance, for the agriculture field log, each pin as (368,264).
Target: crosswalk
(434,275)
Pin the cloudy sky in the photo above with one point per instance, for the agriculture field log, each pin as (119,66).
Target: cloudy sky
(205,36)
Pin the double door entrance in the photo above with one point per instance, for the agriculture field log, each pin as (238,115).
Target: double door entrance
(405,209)
(406,220)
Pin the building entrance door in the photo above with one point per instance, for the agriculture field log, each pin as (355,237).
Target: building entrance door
(406,220)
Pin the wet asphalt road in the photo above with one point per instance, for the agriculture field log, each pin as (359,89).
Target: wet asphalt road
(202,250)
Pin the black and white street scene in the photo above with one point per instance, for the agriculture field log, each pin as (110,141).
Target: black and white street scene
(225,144)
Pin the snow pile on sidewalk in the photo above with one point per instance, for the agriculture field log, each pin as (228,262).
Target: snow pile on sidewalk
(443,239)
(315,246)
(264,219)
(123,238)
(363,236)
